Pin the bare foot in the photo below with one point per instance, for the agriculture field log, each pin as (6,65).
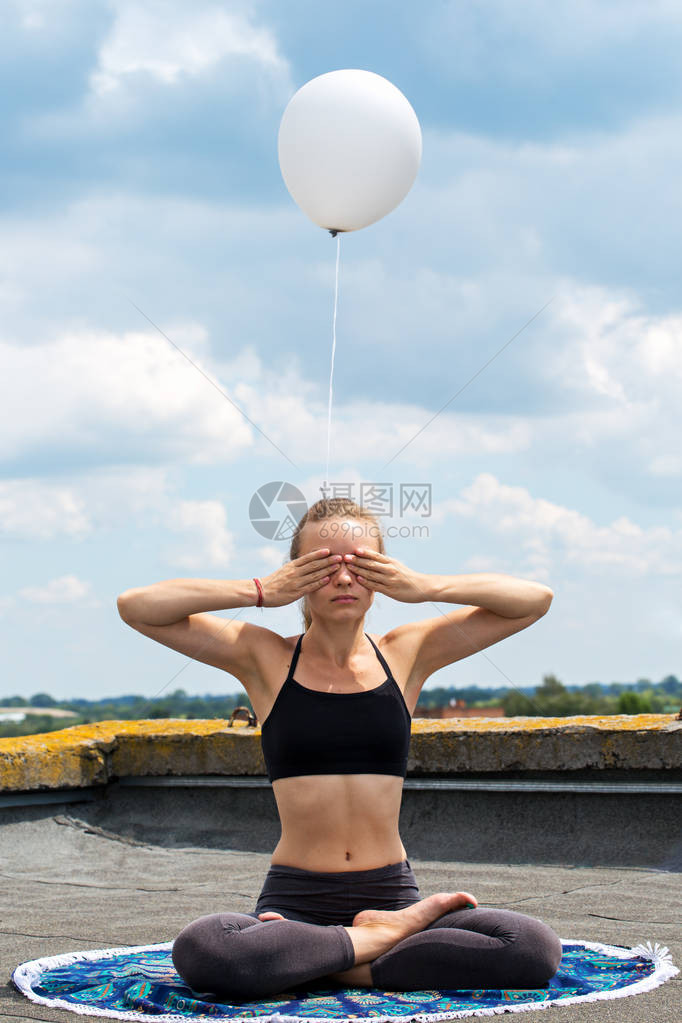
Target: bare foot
(416,917)
(375,931)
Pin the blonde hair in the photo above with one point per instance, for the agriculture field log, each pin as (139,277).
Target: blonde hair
(332,508)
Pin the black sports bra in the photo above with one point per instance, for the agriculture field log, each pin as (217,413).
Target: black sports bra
(311,732)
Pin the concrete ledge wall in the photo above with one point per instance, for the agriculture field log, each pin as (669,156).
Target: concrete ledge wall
(96,754)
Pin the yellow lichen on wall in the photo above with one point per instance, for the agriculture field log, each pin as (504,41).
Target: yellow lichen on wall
(95,754)
(619,722)
(109,731)
(85,755)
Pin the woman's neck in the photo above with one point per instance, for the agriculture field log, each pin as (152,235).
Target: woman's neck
(339,643)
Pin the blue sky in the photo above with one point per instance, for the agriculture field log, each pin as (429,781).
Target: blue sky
(139,168)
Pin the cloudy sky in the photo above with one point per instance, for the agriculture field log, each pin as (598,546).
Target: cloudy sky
(166,315)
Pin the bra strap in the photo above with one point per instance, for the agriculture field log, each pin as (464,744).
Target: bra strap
(382,659)
(294,659)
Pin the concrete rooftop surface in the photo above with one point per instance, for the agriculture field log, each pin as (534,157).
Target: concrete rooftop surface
(69,885)
(120,833)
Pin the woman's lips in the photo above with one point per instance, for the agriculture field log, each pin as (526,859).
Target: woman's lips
(343,599)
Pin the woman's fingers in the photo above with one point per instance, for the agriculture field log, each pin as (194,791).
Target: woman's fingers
(325,573)
(309,559)
(364,559)
(296,577)
(311,555)
(369,571)
(322,566)
(316,584)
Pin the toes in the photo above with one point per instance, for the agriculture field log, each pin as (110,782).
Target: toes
(452,901)
(469,900)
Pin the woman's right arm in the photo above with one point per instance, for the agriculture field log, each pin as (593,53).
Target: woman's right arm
(173,613)
(168,602)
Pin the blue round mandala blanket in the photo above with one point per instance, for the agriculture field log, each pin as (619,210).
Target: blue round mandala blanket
(140,983)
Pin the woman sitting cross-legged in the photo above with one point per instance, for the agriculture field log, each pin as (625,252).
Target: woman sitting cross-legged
(340,904)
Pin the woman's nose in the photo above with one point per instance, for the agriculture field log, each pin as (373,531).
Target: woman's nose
(343,572)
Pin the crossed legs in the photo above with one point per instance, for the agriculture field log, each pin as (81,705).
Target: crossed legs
(236,956)
(472,948)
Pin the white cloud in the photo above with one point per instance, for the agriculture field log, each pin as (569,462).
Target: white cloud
(362,431)
(208,542)
(620,368)
(104,499)
(615,348)
(384,429)
(597,205)
(551,535)
(35,509)
(168,40)
(610,348)
(271,557)
(31,14)
(67,589)
(121,397)
(666,465)
(133,397)
(613,367)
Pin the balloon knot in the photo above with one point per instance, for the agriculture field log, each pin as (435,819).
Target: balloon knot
(333,232)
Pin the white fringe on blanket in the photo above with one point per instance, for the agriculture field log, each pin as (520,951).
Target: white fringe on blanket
(28,973)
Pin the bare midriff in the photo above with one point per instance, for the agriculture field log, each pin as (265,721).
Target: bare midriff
(335,822)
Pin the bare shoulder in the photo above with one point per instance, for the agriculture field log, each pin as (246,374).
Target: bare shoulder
(400,647)
(272,654)
(418,649)
(272,657)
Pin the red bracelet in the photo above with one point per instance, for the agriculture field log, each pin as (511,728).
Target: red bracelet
(259,602)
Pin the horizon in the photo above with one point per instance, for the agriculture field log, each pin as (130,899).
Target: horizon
(173,694)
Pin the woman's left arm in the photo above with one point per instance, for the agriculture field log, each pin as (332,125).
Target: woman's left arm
(504,594)
(495,606)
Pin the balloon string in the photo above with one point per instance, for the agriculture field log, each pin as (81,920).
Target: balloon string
(331,374)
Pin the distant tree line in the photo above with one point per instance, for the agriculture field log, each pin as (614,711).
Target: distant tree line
(130,708)
(551,699)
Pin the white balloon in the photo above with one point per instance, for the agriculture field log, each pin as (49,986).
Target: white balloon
(349,148)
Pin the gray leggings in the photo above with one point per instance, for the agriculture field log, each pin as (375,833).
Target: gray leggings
(238,957)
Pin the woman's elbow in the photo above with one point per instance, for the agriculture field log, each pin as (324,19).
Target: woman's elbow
(123,603)
(546,598)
